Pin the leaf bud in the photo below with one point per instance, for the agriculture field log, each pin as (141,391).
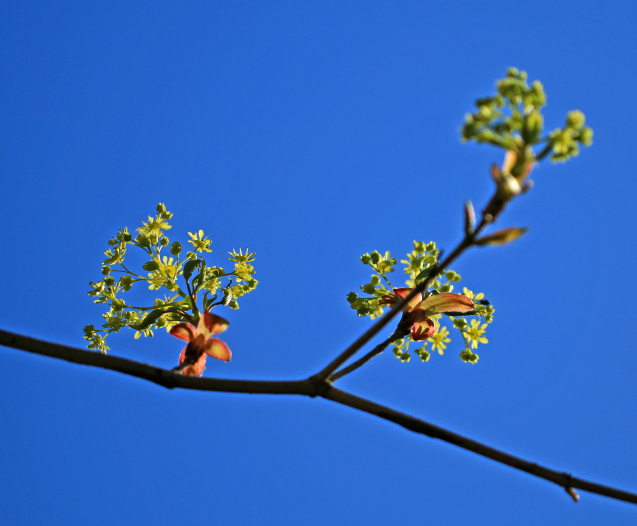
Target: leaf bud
(469,218)
(508,187)
(175,248)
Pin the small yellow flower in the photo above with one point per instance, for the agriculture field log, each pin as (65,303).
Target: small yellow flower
(475,333)
(154,226)
(200,242)
(168,267)
(440,340)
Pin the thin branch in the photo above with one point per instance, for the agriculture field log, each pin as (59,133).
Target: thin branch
(154,374)
(307,387)
(397,335)
(566,480)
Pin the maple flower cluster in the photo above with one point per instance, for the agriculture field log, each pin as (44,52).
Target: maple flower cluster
(421,320)
(193,289)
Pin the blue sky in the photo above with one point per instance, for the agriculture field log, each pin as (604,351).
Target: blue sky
(313,134)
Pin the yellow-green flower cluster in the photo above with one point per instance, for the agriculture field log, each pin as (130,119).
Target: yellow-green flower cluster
(512,119)
(216,286)
(419,263)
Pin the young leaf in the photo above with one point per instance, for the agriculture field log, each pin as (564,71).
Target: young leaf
(501,237)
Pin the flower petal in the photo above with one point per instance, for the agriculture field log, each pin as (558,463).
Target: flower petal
(218,349)
(197,368)
(446,302)
(184,331)
(210,324)
(421,330)
(401,294)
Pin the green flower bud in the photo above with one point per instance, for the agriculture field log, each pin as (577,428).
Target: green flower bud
(375,257)
(109,280)
(351,297)
(143,241)
(375,280)
(586,136)
(468,357)
(366,259)
(532,128)
(106,271)
(234,305)
(164,241)
(575,119)
(127,237)
(126,282)
(175,248)
(369,288)
(151,266)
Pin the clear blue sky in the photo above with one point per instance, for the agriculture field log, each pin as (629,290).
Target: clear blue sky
(313,133)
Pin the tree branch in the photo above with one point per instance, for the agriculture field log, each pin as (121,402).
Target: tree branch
(309,387)
(168,379)
(566,480)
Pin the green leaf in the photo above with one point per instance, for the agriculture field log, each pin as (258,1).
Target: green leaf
(424,274)
(501,237)
(151,318)
(190,267)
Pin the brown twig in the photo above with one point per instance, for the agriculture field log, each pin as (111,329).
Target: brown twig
(397,335)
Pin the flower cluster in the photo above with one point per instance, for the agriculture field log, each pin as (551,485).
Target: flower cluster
(421,319)
(512,119)
(184,277)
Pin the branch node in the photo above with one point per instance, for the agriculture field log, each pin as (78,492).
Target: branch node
(319,384)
